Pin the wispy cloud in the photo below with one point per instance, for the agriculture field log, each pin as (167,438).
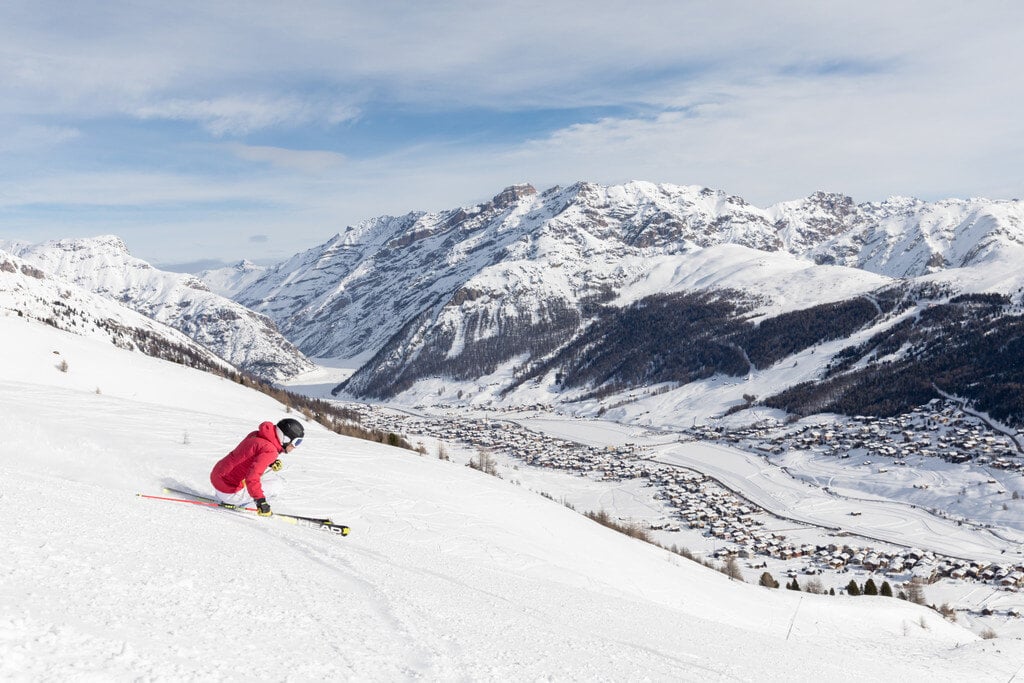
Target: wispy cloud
(306,161)
(34,138)
(238,115)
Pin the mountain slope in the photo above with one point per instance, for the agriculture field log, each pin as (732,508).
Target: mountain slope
(448,573)
(971,346)
(230,280)
(28,292)
(905,238)
(103,265)
(351,294)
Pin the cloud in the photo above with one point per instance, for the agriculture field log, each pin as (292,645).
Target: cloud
(259,239)
(239,115)
(128,189)
(307,161)
(35,138)
(237,68)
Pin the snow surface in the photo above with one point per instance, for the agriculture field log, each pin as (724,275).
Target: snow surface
(103,265)
(786,282)
(448,573)
(230,280)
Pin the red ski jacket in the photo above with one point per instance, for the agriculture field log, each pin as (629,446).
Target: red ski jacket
(245,465)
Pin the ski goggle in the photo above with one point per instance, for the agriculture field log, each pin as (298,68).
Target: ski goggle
(295,442)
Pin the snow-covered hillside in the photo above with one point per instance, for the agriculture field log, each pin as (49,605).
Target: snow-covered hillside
(448,573)
(781,281)
(246,339)
(230,280)
(905,237)
(30,293)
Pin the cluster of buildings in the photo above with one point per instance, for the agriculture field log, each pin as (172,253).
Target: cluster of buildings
(1002,574)
(940,429)
(697,502)
(610,463)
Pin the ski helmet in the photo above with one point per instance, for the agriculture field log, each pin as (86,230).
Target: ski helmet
(292,430)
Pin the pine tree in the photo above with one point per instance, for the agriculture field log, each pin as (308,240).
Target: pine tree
(870,588)
(886,589)
(852,588)
(794,586)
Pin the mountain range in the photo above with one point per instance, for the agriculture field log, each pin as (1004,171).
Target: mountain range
(552,292)
(619,298)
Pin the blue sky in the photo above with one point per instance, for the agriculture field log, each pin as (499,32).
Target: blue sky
(244,129)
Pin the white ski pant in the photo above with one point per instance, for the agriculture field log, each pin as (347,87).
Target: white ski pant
(271,487)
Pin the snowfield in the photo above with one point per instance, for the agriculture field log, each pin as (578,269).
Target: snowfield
(448,574)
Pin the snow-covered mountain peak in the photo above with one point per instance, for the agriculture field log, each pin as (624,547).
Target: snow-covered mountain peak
(347,297)
(103,265)
(229,280)
(29,292)
(111,245)
(512,194)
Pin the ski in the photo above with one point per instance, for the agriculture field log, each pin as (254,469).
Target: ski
(298,520)
(208,499)
(320,520)
(317,521)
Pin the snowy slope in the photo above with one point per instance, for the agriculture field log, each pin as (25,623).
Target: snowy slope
(230,280)
(248,340)
(30,293)
(905,237)
(448,574)
(782,282)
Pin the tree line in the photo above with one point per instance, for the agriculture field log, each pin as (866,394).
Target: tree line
(968,346)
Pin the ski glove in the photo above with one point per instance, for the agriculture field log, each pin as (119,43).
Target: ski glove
(263,508)
(276,465)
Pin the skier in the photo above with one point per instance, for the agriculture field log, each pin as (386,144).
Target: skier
(237,478)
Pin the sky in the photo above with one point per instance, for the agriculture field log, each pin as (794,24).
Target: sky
(215,131)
